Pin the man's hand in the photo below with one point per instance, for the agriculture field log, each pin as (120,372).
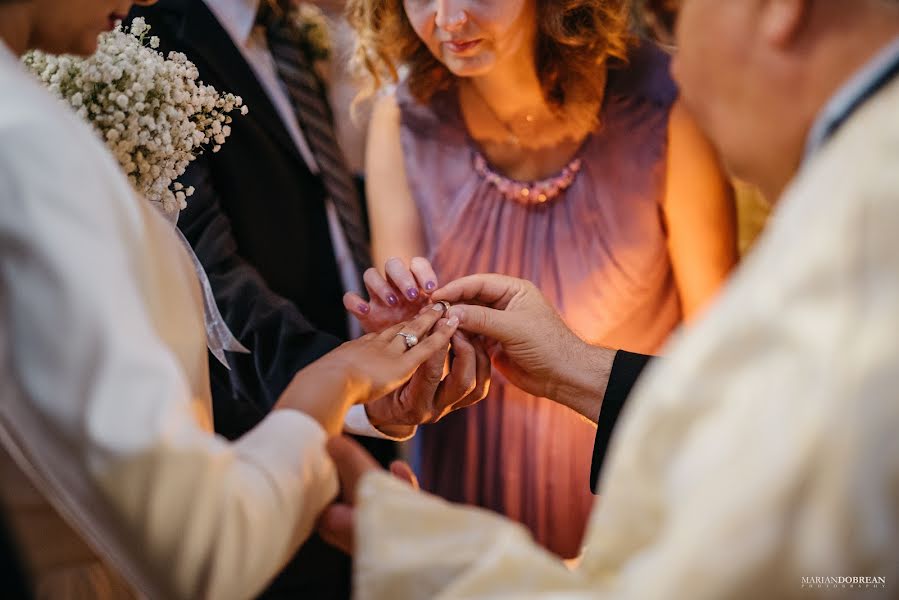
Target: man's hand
(537,352)
(429,395)
(352,461)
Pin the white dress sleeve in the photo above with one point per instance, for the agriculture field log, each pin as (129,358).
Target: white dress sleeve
(82,308)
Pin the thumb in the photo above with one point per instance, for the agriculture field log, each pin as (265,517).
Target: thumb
(401,470)
(485,321)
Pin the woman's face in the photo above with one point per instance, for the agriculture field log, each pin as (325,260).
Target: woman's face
(471,36)
(72,26)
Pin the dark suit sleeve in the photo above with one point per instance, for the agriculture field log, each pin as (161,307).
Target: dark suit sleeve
(626,369)
(280,339)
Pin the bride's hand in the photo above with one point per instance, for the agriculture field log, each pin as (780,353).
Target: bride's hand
(367,368)
(398,297)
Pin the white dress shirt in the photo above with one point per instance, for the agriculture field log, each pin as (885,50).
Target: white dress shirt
(104,390)
(758,459)
(238,19)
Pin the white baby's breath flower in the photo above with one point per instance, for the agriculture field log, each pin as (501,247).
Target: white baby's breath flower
(150,110)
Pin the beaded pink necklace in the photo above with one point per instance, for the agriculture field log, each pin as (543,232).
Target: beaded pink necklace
(534,192)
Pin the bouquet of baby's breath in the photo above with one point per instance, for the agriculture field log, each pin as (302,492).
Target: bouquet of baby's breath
(150,110)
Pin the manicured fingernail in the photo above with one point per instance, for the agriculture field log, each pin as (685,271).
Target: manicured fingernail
(430,286)
(438,308)
(412,293)
(392,300)
(453,321)
(364,309)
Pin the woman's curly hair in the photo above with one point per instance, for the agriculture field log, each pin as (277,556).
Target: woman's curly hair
(575,39)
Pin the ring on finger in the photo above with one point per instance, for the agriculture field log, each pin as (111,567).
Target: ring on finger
(446,305)
(410,338)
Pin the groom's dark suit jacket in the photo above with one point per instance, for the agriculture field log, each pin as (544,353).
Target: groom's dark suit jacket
(258,224)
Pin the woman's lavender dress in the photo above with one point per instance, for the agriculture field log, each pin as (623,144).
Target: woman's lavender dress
(598,251)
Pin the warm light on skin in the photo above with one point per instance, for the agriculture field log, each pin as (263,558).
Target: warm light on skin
(755,74)
(490,33)
(497,52)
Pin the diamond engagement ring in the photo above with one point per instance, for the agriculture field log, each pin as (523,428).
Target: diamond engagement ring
(411,339)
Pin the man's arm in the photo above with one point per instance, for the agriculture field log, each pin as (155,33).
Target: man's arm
(626,369)
(540,354)
(279,337)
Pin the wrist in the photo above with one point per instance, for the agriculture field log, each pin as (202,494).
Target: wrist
(384,424)
(583,378)
(324,392)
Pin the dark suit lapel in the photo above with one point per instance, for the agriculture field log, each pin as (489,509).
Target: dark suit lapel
(210,44)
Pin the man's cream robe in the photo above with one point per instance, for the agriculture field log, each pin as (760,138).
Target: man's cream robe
(763,449)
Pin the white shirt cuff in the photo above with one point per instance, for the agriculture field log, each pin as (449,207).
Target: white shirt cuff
(356,422)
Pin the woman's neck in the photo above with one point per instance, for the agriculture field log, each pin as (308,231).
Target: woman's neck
(513,89)
(16,26)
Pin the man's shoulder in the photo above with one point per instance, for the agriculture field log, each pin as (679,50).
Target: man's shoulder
(870,138)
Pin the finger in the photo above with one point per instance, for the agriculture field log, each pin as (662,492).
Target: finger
(377,286)
(356,306)
(401,470)
(488,289)
(483,370)
(490,322)
(424,274)
(402,278)
(428,376)
(416,401)
(352,462)
(436,341)
(419,327)
(461,379)
(336,527)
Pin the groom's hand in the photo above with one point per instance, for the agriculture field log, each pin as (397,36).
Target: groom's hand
(352,461)
(538,352)
(432,393)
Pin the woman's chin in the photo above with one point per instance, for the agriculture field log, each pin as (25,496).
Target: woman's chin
(473,67)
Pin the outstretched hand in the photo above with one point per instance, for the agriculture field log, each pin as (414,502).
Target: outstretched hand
(396,296)
(352,461)
(368,368)
(537,351)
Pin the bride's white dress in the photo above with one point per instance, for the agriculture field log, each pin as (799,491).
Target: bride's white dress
(104,392)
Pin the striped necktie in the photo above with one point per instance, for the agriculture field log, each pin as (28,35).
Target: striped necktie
(307,95)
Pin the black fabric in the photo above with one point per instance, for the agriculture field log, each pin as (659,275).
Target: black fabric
(626,369)
(12,573)
(258,223)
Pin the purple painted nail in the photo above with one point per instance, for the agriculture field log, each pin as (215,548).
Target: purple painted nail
(364,309)
(430,286)
(412,293)
(392,300)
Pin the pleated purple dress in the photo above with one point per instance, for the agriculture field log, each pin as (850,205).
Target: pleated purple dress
(597,250)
